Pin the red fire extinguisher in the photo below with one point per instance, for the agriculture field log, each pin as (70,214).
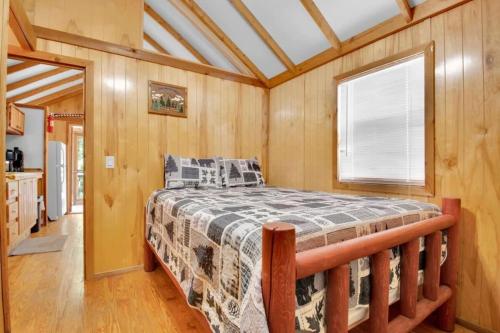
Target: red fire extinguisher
(50,123)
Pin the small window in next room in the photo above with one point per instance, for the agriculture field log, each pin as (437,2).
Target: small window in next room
(385,133)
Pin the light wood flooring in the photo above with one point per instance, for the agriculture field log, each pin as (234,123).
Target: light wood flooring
(48,294)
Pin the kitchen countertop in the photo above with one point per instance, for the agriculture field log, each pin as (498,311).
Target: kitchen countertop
(23,175)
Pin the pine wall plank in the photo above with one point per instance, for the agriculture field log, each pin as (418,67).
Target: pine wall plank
(467,154)
(122,127)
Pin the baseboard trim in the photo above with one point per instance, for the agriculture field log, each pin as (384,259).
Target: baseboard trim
(473,327)
(116,272)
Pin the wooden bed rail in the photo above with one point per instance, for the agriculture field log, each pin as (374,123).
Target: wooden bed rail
(282,266)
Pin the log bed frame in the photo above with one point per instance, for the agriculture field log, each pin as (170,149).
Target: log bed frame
(282,267)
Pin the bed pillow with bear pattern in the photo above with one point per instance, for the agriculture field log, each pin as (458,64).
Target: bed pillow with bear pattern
(240,172)
(181,172)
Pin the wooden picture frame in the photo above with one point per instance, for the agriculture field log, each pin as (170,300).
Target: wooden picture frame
(167,99)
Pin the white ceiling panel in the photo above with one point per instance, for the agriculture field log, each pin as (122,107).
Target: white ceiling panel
(51,91)
(43,82)
(291,27)
(12,62)
(148,47)
(166,40)
(350,17)
(414,3)
(187,30)
(243,35)
(28,72)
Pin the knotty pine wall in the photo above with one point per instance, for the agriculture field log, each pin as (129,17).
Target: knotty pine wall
(467,77)
(115,21)
(224,118)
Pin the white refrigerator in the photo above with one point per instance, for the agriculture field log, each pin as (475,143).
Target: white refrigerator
(56,180)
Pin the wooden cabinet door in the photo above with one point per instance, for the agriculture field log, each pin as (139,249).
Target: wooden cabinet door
(15,121)
(27,204)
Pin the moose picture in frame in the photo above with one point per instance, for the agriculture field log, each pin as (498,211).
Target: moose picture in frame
(167,99)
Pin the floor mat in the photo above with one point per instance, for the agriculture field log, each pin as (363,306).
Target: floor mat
(40,245)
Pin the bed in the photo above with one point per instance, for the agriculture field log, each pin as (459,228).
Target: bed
(255,259)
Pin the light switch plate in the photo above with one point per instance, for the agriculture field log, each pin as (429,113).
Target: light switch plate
(110,162)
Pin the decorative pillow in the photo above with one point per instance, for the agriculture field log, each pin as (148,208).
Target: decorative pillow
(240,172)
(183,172)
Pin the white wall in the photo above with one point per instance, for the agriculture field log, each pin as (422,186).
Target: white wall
(32,142)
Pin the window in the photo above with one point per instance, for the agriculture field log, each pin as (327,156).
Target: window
(384,123)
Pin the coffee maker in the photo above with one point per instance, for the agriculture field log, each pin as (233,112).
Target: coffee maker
(15,160)
(9,160)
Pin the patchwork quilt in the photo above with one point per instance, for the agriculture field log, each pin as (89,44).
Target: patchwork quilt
(211,241)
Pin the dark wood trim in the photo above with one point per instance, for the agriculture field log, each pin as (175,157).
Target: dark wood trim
(421,12)
(428,188)
(21,26)
(162,59)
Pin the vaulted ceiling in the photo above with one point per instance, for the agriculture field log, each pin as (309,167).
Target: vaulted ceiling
(266,39)
(38,84)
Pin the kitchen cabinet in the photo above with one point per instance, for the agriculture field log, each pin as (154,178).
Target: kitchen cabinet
(15,120)
(22,212)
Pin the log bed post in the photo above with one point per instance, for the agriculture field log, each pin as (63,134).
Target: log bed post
(449,270)
(278,276)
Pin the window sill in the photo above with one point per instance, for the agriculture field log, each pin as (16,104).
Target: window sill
(408,190)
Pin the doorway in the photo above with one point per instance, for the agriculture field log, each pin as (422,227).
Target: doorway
(76,131)
(76,182)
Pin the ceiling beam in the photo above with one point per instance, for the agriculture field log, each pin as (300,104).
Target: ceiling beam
(322,23)
(133,53)
(154,43)
(405,9)
(19,67)
(421,12)
(35,78)
(212,26)
(170,29)
(59,96)
(263,33)
(21,26)
(41,89)
(211,37)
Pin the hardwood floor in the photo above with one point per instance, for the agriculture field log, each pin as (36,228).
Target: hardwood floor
(48,294)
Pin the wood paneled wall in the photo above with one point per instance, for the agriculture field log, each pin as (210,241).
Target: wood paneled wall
(116,21)
(4,292)
(225,118)
(70,105)
(467,77)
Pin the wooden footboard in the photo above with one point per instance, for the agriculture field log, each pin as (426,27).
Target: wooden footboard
(282,266)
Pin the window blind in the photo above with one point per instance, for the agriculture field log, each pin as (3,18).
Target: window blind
(381,118)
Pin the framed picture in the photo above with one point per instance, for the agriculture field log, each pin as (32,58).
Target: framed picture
(167,99)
